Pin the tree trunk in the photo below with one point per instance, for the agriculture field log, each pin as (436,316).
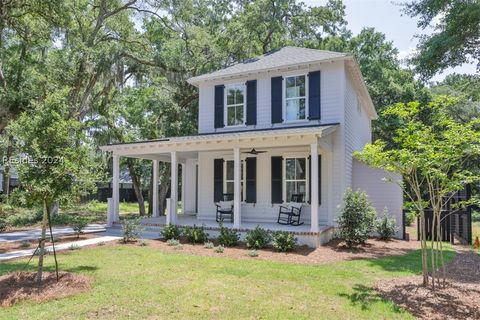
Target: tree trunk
(162,197)
(137,188)
(42,241)
(6,169)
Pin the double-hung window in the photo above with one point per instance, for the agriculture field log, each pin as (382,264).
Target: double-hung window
(235,104)
(295,98)
(229,178)
(296,178)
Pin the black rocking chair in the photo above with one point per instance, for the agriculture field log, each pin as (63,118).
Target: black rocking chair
(225,208)
(291,215)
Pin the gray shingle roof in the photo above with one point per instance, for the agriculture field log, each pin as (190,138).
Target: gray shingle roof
(286,56)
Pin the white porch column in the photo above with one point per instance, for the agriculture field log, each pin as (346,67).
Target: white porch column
(116,187)
(184,177)
(236,188)
(314,184)
(155,189)
(174,187)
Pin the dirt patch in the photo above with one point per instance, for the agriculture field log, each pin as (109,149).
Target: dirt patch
(19,245)
(458,300)
(21,286)
(333,252)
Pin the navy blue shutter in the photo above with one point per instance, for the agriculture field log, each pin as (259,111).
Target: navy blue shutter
(277,99)
(319,179)
(277,177)
(219,106)
(251,102)
(314,95)
(251,180)
(217,180)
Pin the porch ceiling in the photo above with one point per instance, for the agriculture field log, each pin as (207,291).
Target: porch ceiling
(282,137)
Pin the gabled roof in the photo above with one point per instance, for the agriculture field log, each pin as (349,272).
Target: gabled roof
(284,57)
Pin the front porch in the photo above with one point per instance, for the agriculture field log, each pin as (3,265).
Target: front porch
(204,167)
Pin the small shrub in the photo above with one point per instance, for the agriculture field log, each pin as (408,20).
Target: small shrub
(356,218)
(25,218)
(173,242)
(410,217)
(74,246)
(253,253)
(284,241)
(171,231)
(195,234)
(101,243)
(3,225)
(143,243)
(228,237)
(257,238)
(79,226)
(25,245)
(131,230)
(385,226)
(219,249)
(208,245)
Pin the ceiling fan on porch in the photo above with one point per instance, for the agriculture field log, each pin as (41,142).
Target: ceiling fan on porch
(254,152)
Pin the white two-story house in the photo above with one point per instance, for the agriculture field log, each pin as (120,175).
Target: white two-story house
(272,130)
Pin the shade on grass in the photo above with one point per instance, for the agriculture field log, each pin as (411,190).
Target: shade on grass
(142,282)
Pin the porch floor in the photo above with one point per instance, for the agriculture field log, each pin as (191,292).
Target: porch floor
(190,220)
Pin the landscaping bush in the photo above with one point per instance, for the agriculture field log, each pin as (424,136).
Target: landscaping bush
(385,226)
(195,234)
(258,238)
(171,231)
(410,217)
(24,218)
(131,230)
(228,237)
(173,242)
(3,225)
(253,253)
(79,226)
(284,241)
(219,249)
(208,245)
(64,219)
(356,218)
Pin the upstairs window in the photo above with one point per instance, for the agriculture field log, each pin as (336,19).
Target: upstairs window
(295,98)
(295,178)
(235,104)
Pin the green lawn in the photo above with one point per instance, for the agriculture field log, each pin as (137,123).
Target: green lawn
(142,282)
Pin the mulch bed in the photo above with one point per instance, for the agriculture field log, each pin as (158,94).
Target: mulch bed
(17,245)
(21,286)
(460,299)
(332,252)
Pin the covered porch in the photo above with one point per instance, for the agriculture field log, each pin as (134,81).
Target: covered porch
(195,155)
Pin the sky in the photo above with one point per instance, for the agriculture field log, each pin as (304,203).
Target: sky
(386,16)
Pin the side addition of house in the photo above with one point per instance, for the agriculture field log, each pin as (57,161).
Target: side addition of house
(274,130)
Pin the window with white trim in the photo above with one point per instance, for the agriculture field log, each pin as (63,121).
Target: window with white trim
(235,104)
(296,178)
(295,98)
(229,174)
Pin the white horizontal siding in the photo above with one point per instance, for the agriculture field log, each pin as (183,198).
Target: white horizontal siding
(382,194)
(330,91)
(263,209)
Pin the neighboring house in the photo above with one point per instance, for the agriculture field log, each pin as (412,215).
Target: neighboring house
(307,110)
